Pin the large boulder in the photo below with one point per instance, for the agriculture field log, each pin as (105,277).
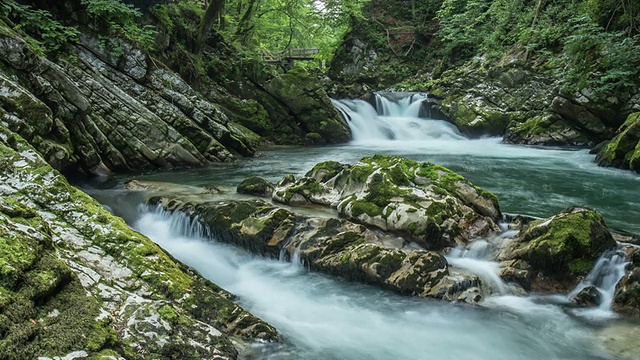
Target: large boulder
(78,282)
(627,295)
(425,202)
(624,150)
(555,252)
(257,186)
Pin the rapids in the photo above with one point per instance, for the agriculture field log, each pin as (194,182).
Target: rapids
(326,318)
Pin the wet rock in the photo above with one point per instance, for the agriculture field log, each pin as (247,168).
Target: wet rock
(333,246)
(516,271)
(77,279)
(589,296)
(549,130)
(561,248)
(257,186)
(470,296)
(308,102)
(523,106)
(627,294)
(427,203)
(624,150)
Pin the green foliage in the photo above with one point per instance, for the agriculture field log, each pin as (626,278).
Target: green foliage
(460,23)
(51,35)
(574,38)
(121,20)
(606,62)
(277,25)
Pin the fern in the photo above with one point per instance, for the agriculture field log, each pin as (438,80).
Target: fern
(50,35)
(121,20)
(606,62)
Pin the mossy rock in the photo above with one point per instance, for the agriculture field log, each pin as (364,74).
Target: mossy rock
(255,185)
(624,150)
(309,104)
(544,130)
(44,309)
(627,296)
(566,245)
(71,273)
(426,202)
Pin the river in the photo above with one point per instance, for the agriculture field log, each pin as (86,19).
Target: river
(326,318)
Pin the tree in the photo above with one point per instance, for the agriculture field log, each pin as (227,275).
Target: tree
(210,16)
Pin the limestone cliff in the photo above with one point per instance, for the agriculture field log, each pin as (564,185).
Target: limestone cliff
(106,105)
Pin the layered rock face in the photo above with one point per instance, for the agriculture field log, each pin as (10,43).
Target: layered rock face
(98,111)
(98,114)
(523,106)
(77,282)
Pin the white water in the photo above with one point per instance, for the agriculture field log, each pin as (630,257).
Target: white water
(606,273)
(393,120)
(325,318)
(477,258)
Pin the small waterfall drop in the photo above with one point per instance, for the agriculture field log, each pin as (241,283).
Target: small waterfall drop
(178,222)
(605,275)
(476,258)
(395,117)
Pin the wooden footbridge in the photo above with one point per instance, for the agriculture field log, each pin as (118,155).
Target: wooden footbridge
(287,57)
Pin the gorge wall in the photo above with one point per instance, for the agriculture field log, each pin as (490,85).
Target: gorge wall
(536,73)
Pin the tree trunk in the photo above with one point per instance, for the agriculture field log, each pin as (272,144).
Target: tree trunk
(244,29)
(533,24)
(213,12)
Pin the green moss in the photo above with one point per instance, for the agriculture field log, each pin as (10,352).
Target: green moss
(360,172)
(103,335)
(580,266)
(169,314)
(343,240)
(381,191)
(255,185)
(416,230)
(325,170)
(360,207)
(572,243)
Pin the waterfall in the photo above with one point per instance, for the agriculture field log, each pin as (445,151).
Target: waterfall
(476,258)
(395,117)
(178,222)
(606,273)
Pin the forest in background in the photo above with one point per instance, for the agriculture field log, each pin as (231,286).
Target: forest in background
(593,43)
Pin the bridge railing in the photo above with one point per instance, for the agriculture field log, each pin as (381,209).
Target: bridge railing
(290,54)
(304,53)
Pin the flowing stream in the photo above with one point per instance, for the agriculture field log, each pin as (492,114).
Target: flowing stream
(326,318)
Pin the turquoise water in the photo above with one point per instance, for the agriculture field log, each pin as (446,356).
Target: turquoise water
(326,318)
(527,180)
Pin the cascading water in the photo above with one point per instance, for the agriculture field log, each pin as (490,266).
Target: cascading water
(324,318)
(476,258)
(394,118)
(605,275)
